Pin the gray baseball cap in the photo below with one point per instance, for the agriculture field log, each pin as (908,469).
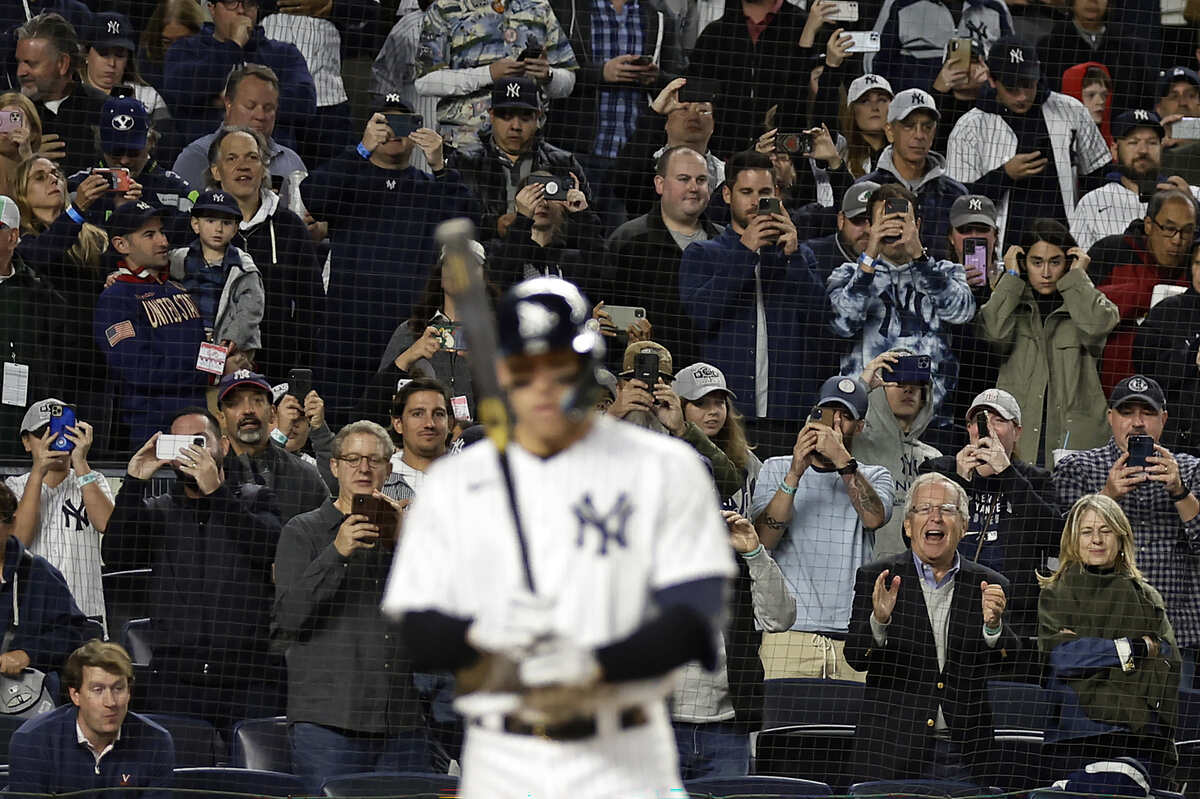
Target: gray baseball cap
(39,414)
(998,400)
(849,392)
(699,380)
(857,200)
(972,209)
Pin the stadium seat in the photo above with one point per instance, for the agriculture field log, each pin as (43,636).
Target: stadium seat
(1017,762)
(135,637)
(407,784)
(792,701)
(261,744)
(933,789)
(822,752)
(749,787)
(225,781)
(1188,771)
(1017,705)
(196,741)
(125,596)
(8,725)
(1189,716)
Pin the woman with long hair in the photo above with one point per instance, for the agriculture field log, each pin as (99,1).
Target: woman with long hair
(1114,664)
(861,119)
(21,139)
(171,21)
(708,403)
(109,60)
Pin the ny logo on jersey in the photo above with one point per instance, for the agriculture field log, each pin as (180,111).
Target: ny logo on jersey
(975,204)
(79,514)
(610,526)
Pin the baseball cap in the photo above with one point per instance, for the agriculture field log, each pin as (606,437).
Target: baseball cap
(39,414)
(217,202)
(1011,61)
(700,380)
(243,377)
(665,365)
(475,247)
(849,392)
(857,199)
(131,216)
(515,93)
(911,100)
(998,400)
(391,101)
(607,381)
(1174,75)
(10,215)
(972,209)
(124,125)
(1129,121)
(110,29)
(1141,388)
(865,83)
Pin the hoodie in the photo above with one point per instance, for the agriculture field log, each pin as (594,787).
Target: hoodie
(936,191)
(883,443)
(1072,85)
(238,310)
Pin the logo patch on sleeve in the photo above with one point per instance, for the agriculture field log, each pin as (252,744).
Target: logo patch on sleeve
(119,332)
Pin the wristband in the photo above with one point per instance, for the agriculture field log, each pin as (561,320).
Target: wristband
(787,489)
(1124,653)
(1013,272)
(363,151)
(75,214)
(279,437)
(754,553)
(1180,497)
(88,479)
(864,260)
(992,631)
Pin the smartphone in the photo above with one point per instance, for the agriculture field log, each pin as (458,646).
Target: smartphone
(896,205)
(380,514)
(556,188)
(794,143)
(300,383)
(404,124)
(61,417)
(643,61)
(624,315)
(769,205)
(914,370)
(645,368)
(819,415)
(1186,128)
(846,11)
(118,179)
(533,50)
(975,256)
(450,335)
(168,447)
(697,91)
(1140,448)
(11,121)
(958,52)
(121,91)
(981,425)
(1041,145)
(863,42)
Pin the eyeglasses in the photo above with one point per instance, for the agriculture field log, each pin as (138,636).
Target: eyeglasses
(1187,231)
(353,461)
(927,509)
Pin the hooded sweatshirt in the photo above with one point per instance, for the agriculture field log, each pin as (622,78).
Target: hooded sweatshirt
(936,191)
(884,443)
(1072,86)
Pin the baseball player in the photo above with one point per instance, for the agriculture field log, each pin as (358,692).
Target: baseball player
(566,604)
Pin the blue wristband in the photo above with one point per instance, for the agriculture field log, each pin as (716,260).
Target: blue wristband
(363,151)
(73,212)
(1013,272)
(754,553)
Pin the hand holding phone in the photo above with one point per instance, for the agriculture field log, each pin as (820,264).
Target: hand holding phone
(300,383)
(380,513)
(1140,448)
(170,447)
(61,417)
(645,368)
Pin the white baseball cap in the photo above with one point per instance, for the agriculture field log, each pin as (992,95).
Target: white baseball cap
(911,100)
(10,215)
(865,83)
(39,414)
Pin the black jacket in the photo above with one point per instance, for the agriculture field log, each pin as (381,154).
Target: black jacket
(76,123)
(574,120)
(577,257)
(1165,349)
(481,170)
(830,254)
(1029,527)
(31,333)
(905,685)
(295,486)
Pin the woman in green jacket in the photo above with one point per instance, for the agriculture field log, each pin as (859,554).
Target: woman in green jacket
(1051,323)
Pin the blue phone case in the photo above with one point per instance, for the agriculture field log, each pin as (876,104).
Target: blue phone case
(58,427)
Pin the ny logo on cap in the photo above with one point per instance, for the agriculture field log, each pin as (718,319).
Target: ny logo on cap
(1141,114)
(122,122)
(870,80)
(513,90)
(1015,56)
(920,99)
(144,207)
(218,198)
(1138,384)
(243,374)
(114,27)
(392,99)
(975,204)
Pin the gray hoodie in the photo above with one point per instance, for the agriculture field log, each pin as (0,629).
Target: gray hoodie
(883,443)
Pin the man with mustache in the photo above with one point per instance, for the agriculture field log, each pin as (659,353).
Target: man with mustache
(1137,150)
(244,402)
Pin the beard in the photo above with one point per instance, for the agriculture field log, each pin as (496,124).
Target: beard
(1129,171)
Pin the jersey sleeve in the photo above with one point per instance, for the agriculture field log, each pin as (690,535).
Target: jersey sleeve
(414,582)
(692,542)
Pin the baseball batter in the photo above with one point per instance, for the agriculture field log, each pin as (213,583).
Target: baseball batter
(628,555)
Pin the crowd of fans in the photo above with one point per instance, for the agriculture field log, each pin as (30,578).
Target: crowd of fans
(967,250)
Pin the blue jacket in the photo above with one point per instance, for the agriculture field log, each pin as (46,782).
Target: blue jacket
(48,625)
(196,68)
(717,287)
(150,332)
(936,192)
(45,756)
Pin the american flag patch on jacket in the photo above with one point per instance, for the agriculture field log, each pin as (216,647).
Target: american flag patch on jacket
(119,332)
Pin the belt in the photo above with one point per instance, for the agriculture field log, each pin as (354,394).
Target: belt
(573,729)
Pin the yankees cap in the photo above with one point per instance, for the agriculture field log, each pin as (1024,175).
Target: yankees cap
(515,93)
(109,29)
(243,377)
(10,214)
(39,414)
(219,203)
(865,83)
(1012,61)
(130,217)
(856,201)
(124,125)
(911,100)
(972,209)
(1130,121)
(390,101)
(1174,75)
(1140,388)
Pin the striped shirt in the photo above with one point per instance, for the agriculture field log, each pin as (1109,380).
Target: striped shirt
(319,41)
(67,539)
(616,34)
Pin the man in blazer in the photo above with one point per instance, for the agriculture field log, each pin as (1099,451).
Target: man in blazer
(928,628)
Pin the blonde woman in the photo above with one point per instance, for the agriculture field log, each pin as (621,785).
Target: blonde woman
(1114,665)
(17,143)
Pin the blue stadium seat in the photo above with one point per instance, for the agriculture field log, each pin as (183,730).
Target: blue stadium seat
(8,725)
(933,789)
(261,744)
(822,752)
(1018,705)
(406,784)
(135,637)
(126,596)
(224,781)
(748,787)
(196,741)
(1017,763)
(792,701)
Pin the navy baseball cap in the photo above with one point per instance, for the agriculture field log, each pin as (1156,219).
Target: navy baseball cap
(130,218)
(1140,388)
(243,377)
(1174,75)
(110,29)
(220,203)
(1129,121)
(1012,61)
(124,125)
(849,392)
(391,101)
(515,93)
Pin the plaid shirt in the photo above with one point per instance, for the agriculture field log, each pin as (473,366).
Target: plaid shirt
(1168,549)
(613,36)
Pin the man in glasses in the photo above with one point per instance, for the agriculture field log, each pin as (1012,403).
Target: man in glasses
(197,66)
(928,627)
